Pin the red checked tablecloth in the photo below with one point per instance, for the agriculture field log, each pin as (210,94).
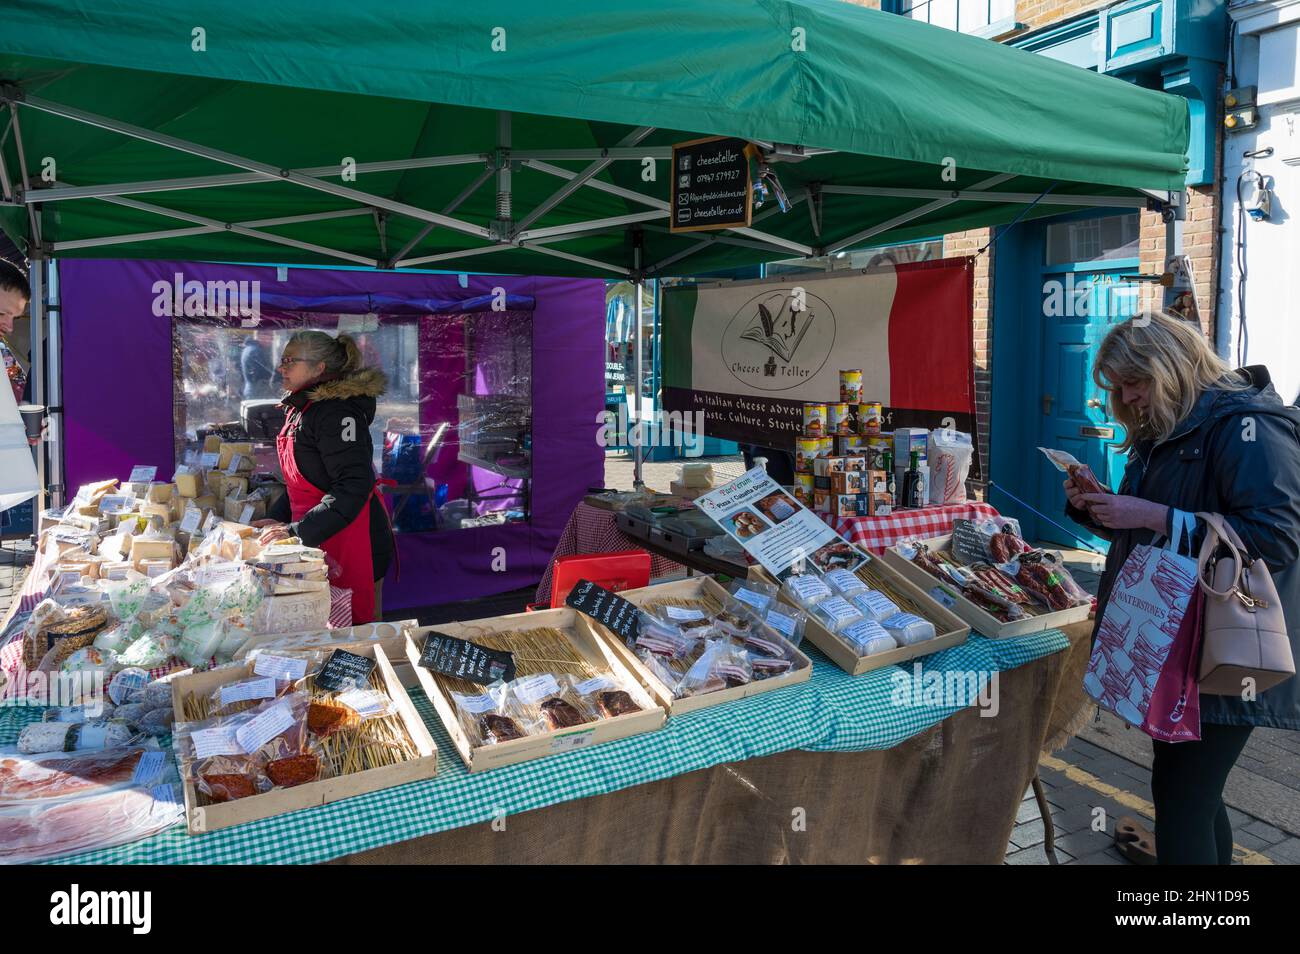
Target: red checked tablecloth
(879,533)
(594,530)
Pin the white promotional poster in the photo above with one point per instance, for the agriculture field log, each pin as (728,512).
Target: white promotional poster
(776,529)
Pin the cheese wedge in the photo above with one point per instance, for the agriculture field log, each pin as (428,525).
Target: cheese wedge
(229,450)
(187,484)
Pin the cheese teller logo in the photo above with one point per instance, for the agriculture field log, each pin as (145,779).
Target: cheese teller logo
(779,339)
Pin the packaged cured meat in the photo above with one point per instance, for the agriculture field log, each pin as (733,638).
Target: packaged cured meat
(67,775)
(83,713)
(73,736)
(1047,580)
(722,665)
(49,829)
(787,621)
(272,729)
(1006,544)
(492,716)
(616,702)
(1078,471)
(157,721)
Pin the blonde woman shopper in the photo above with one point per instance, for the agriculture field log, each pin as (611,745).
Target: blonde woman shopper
(1200,437)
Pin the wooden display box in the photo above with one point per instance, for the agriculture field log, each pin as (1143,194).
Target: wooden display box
(201,819)
(1036,620)
(588,643)
(697,588)
(949,629)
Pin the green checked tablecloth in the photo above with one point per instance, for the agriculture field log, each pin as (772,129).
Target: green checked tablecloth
(831,712)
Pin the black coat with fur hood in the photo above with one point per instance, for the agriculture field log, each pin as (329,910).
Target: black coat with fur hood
(333,450)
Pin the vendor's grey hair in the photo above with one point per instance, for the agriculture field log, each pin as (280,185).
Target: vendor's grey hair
(340,355)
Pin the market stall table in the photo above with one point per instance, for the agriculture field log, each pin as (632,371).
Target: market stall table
(879,533)
(875,777)
(594,530)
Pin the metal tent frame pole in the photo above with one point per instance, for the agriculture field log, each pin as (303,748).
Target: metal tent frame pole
(40,354)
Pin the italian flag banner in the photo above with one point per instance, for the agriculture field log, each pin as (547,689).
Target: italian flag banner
(749,355)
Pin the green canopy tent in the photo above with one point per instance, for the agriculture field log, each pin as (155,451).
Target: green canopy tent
(520,137)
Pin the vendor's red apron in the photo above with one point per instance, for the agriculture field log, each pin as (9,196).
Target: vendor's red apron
(350,547)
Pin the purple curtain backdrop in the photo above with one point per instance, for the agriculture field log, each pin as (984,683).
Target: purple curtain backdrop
(117,372)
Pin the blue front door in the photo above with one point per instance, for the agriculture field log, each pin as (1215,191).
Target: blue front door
(1060,285)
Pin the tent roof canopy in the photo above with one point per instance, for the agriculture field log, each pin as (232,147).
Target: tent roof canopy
(237,142)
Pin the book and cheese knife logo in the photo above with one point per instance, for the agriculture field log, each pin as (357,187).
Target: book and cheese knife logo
(779,339)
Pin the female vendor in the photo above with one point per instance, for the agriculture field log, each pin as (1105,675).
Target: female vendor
(325,455)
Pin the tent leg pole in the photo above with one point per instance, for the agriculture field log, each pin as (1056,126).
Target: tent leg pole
(39,354)
(637,450)
(54,436)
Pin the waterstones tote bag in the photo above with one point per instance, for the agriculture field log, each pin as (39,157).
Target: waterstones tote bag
(1144,662)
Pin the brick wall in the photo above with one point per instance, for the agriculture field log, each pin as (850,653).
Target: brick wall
(1200,235)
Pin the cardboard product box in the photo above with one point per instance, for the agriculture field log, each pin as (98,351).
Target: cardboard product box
(702,589)
(825,466)
(1037,618)
(906,440)
(587,640)
(862,505)
(203,818)
(849,482)
(822,501)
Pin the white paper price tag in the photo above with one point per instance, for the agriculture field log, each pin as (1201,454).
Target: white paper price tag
(535,688)
(217,741)
(366,702)
(595,684)
(209,460)
(242,691)
(246,515)
(233,467)
(211,522)
(279,667)
(476,705)
(682,613)
(265,727)
(192,519)
(142,475)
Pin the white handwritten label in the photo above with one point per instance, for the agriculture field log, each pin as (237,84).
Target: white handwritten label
(245,689)
(142,475)
(595,684)
(535,688)
(246,515)
(233,467)
(209,460)
(279,667)
(192,519)
(265,727)
(366,702)
(216,741)
(682,613)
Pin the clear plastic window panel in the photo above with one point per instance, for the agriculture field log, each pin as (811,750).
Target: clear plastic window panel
(452,432)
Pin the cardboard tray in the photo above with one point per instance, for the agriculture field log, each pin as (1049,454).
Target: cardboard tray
(694,588)
(201,819)
(585,639)
(982,622)
(949,629)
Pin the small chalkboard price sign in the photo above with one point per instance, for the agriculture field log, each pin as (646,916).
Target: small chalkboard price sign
(607,608)
(711,188)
